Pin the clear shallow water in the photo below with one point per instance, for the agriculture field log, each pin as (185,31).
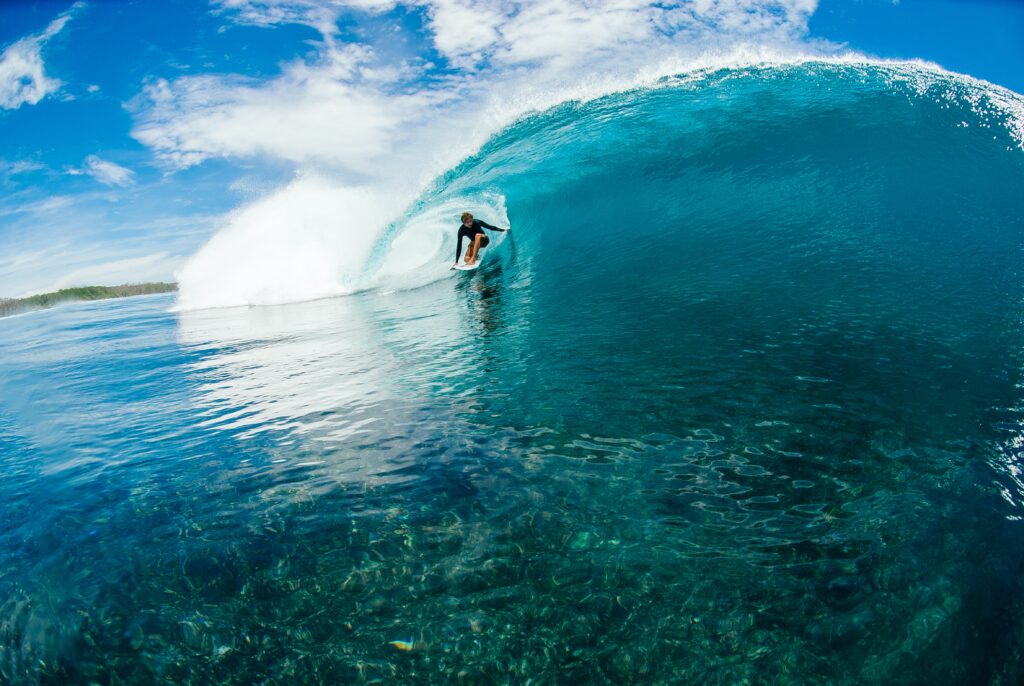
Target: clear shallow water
(758,421)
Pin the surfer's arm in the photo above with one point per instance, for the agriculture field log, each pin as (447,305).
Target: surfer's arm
(489,226)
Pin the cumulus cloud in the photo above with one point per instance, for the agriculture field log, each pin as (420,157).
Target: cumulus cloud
(575,32)
(514,32)
(106,172)
(323,112)
(465,32)
(346,109)
(22,75)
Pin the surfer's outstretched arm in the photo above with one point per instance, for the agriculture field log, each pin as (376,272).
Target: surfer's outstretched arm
(489,226)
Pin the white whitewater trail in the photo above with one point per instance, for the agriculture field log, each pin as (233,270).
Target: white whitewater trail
(305,241)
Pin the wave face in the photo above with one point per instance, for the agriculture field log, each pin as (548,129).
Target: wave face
(776,176)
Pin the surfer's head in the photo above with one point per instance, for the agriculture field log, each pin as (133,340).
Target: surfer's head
(467,218)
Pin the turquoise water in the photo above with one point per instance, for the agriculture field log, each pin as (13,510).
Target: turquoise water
(738,400)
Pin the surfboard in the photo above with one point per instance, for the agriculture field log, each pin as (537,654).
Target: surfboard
(463,267)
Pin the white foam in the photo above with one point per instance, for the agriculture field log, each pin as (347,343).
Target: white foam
(307,240)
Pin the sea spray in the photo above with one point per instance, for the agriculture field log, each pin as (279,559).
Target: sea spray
(307,240)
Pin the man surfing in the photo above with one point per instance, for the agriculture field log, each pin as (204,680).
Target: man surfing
(473,229)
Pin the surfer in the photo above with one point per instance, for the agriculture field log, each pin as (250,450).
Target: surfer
(473,229)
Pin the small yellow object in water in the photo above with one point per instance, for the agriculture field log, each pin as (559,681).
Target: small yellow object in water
(403,645)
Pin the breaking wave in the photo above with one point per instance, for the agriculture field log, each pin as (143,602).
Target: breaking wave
(742,152)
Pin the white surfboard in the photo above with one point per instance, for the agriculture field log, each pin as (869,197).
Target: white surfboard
(463,267)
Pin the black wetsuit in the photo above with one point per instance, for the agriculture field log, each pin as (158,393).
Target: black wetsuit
(471,232)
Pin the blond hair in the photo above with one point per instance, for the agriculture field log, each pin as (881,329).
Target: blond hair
(467,215)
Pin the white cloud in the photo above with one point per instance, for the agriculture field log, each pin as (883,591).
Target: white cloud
(347,110)
(33,260)
(71,242)
(326,113)
(22,76)
(576,32)
(105,171)
(47,205)
(19,167)
(465,31)
(89,267)
(321,15)
(510,32)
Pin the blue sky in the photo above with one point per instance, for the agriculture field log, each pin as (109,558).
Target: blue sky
(983,38)
(131,132)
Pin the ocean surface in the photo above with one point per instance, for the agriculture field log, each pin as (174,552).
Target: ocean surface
(738,400)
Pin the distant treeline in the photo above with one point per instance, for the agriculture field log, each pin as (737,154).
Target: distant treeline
(9,306)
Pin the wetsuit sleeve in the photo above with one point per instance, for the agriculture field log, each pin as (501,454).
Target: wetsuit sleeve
(489,226)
